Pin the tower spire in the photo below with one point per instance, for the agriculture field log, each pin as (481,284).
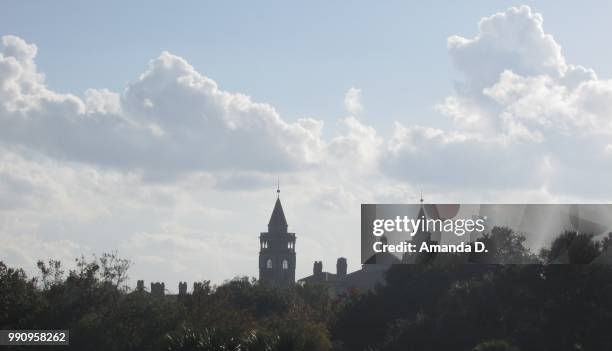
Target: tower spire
(277,248)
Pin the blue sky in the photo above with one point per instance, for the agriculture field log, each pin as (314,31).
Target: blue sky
(299,57)
(160,129)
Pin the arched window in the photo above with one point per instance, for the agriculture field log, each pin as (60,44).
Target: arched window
(285,264)
(269,263)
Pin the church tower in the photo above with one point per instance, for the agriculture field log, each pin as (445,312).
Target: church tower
(277,250)
(420,237)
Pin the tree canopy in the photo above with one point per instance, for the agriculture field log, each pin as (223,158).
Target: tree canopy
(474,306)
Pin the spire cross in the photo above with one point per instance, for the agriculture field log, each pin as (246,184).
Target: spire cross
(278,186)
(421,196)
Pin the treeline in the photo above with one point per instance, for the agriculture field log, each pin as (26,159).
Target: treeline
(481,307)
(102,314)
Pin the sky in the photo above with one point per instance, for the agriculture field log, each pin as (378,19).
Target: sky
(160,130)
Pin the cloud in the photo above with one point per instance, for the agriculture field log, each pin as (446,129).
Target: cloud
(513,39)
(517,83)
(541,103)
(232,181)
(171,169)
(450,160)
(102,101)
(358,145)
(170,120)
(521,117)
(352,101)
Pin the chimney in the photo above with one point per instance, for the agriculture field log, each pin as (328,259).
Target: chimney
(140,285)
(341,267)
(182,288)
(317,269)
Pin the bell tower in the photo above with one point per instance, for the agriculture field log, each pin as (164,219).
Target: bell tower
(277,250)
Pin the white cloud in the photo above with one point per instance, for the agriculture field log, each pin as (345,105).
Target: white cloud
(510,40)
(102,101)
(519,106)
(517,83)
(541,103)
(352,101)
(359,145)
(171,120)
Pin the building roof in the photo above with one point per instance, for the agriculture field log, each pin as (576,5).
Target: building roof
(422,213)
(318,278)
(363,279)
(278,222)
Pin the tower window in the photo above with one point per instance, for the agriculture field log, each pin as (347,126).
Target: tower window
(269,263)
(285,264)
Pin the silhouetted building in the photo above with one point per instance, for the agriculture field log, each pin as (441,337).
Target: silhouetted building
(277,250)
(182,288)
(341,267)
(342,282)
(319,276)
(317,268)
(140,285)
(418,239)
(158,289)
(384,258)
(372,272)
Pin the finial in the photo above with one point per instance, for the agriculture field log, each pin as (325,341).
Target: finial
(278,186)
(422,196)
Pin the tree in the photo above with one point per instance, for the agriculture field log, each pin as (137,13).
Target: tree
(495,345)
(50,274)
(114,269)
(572,247)
(19,300)
(504,246)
